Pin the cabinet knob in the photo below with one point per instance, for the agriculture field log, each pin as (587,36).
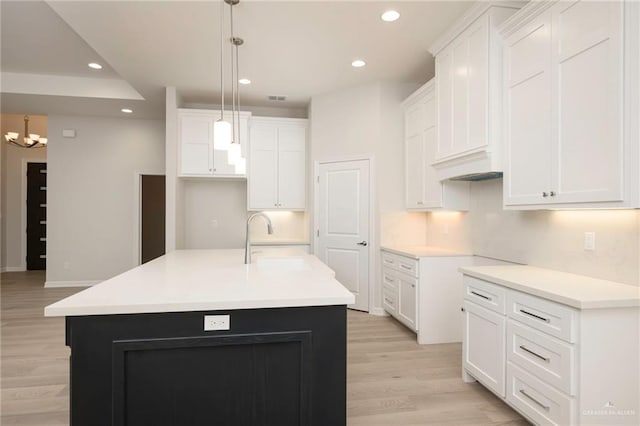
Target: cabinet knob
(553,194)
(461,309)
(544,194)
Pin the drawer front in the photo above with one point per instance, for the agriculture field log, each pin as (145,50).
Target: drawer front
(408,266)
(537,400)
(390,300)
(549,317)
(485,294)
(389,279)
(546,357)
(402,264)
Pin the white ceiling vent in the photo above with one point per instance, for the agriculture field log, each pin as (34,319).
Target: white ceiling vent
(277,98)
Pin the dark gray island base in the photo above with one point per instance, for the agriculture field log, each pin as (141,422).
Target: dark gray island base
(277,366)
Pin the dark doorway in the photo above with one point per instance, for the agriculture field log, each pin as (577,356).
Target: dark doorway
(152,217)
(36,216)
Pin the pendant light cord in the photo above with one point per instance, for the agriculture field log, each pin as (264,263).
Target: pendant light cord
(233,71)
(238,90)
(222,56)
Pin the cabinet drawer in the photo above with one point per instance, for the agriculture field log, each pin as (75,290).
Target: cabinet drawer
(549,317)
(388,279)
(390,300)
(485,294)
(537,400)
(546,357)
(402,264)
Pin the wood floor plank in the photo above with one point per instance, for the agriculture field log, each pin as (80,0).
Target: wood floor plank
(391,380)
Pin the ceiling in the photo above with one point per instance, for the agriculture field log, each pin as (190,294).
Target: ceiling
(298,49)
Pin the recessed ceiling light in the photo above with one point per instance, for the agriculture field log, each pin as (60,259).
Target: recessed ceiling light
(390,16)
(126,110)
(358,63)
(244,81)
(95,66)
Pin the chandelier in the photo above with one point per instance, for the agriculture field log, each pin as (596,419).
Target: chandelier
(30,140)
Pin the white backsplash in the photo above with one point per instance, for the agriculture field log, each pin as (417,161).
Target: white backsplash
(549,239)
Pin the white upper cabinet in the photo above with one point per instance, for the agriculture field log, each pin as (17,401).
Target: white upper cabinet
(197,156)
(277,164)
(423,190)
(569,136)
(468,93)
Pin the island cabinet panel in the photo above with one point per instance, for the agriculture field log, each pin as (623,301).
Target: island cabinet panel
(281,366)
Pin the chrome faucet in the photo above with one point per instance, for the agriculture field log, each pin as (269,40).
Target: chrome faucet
(247,244)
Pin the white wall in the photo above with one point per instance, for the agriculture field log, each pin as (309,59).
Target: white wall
(362,121)
(549,239)
(13,224)
(92,190)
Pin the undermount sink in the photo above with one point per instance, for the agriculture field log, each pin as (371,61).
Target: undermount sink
(282,263)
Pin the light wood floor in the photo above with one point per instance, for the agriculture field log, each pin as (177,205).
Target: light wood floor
(392,381)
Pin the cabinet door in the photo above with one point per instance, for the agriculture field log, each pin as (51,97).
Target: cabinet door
(415,164)
(483,346)
(196,144)
(407,301)
(262,179)
(589,66)
(444,96)
(291,167)
(528,114)
(477,69)
(460,96)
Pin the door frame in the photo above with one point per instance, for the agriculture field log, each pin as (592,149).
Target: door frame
(137,214)
(373,241)
(23,209)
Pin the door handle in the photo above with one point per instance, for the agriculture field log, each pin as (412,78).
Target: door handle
(362,243)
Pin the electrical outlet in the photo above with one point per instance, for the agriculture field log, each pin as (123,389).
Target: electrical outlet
(216,322)
(590,241)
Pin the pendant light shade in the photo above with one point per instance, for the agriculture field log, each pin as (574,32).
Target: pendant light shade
(234,153)
(221,134)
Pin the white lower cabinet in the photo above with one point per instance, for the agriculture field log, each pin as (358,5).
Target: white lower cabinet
(555,364)
(483,346)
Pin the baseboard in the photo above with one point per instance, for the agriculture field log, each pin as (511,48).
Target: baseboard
(13,269)
(378,312)
(51,284)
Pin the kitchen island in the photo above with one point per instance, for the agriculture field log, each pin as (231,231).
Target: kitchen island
(196,337)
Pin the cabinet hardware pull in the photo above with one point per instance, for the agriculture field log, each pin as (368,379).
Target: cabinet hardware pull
(544,194)
(388,261)
(389,280)
(546,407)
(388,301)
(524,348)
(481,295)
(413,285)
(535,316)
(553,194)
(362,243)
(408,268)
(420,202)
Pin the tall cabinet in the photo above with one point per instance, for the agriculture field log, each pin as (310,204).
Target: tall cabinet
(571,83)
(277,164)
(423,190)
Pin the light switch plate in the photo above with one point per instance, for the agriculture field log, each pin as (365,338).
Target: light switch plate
(217,322)
(590,241)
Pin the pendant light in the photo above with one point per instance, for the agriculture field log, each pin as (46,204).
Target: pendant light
(221,128)
(234,153)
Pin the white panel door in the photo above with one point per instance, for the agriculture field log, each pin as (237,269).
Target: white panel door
(263,167)
(291,167)
(529,114)
(483,346)
(343,225)
(589,154)
(196,144)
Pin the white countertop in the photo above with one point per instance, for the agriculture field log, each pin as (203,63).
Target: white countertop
(574,290)
(280,242)
(202,280)
(422,251)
